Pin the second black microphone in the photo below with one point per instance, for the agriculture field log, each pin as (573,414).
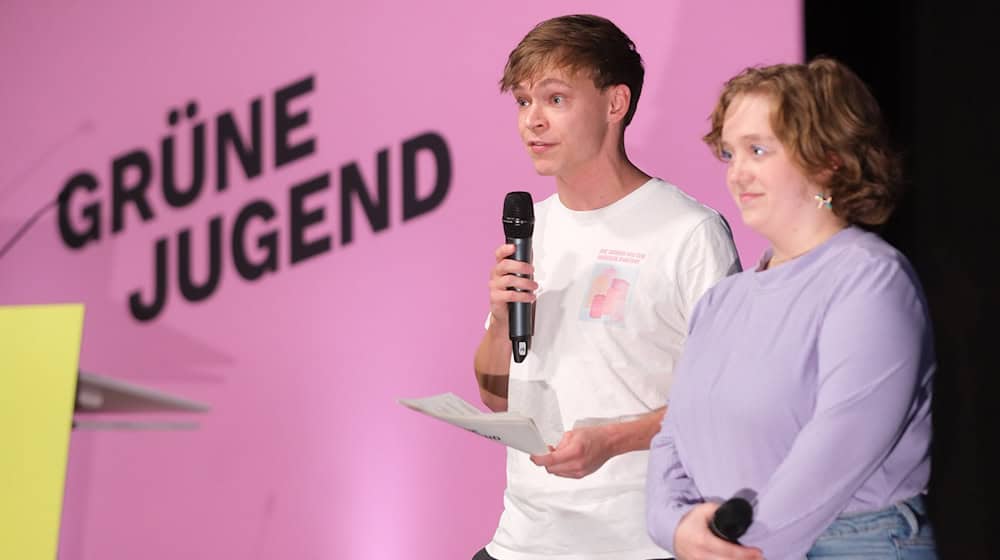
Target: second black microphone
(518,226)
(732,519)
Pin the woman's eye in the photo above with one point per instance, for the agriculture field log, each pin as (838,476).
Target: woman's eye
(725,155)
(758,150)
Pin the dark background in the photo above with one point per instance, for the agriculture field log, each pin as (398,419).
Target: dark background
(930,65)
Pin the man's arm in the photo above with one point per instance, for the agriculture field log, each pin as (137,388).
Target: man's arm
(492,365)
(583,450)
(492,361)
(635,435)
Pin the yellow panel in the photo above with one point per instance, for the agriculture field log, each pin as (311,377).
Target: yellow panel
(39,357)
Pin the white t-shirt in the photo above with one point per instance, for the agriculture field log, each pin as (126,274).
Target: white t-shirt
(616,286)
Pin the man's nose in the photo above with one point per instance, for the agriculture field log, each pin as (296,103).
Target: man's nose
(534,117)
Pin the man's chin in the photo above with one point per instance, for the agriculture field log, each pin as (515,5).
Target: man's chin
(545,170)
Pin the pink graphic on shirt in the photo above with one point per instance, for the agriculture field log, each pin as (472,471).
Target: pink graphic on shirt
(608,294)
(614,304)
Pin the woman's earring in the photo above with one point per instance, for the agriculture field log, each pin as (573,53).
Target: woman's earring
(824,201)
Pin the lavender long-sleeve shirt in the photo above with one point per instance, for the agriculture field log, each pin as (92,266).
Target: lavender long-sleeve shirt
(809,385)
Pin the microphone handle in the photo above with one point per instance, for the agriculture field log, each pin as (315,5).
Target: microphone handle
(520,312)
(522,249)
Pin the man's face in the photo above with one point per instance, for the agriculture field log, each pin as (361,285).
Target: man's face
(563,120)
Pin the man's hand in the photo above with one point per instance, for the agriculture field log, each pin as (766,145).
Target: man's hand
(583,450)
(579,453)
(694,541)
(502,277)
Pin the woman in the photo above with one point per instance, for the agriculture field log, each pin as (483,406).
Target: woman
(805,385)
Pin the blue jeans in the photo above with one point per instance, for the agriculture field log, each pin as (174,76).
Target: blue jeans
(899,532)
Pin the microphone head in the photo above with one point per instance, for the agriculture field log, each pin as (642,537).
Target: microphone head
(518,215)
(732,519)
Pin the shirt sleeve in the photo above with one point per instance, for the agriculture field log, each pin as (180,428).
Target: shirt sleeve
(875,361)
(707,256)
(670,493)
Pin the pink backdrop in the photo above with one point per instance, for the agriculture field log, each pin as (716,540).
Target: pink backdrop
(306,453)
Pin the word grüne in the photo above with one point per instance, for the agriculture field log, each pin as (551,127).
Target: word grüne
(88,213)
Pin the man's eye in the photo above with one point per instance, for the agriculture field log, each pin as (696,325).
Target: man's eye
(521,102)
(558,99)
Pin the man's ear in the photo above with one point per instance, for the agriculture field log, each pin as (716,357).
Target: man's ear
(619,97)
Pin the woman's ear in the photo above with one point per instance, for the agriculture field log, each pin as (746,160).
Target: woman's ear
(834,164)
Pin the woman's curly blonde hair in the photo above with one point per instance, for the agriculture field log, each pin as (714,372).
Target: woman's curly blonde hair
(830,122)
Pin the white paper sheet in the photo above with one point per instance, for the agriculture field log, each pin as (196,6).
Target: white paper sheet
(518,432)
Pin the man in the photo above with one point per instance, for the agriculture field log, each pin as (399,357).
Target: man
(620,258)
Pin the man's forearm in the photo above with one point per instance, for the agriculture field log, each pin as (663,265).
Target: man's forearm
(634,435)
(492,365)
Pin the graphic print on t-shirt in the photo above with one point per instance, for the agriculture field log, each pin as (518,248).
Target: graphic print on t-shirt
(614,274)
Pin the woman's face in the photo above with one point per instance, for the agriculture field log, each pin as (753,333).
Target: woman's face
(774,196)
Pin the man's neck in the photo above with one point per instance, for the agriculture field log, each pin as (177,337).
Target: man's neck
(600,184)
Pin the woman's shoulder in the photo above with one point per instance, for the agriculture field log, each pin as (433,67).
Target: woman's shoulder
(733,286)
(867,262)
(867,250)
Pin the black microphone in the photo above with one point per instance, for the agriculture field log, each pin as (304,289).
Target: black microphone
(518,225)
(731,520)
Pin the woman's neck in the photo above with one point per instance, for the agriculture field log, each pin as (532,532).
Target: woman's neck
(799,242)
